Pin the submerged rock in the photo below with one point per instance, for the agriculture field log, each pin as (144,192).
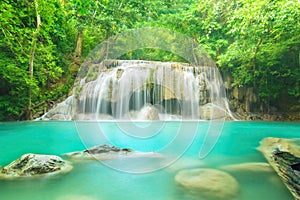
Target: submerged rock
(255,167)
(208,183)
(184,163)
(30,165)
(107,152)
(76,197)
(254,171)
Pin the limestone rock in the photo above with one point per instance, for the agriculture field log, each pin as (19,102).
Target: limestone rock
(185,163)
(211,111)
(284,156)
(238,93)
(148,113)
(30,165)
(208,183)
(60,117)
(270,144)
(245,171)
(108,152)
(61,111)
(127,85)
(255,167)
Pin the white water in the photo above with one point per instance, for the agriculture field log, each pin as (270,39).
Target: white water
(167,90)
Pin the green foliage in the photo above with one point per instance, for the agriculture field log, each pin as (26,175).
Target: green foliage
(265,51)
(258,42)
(152,54)
(18,32)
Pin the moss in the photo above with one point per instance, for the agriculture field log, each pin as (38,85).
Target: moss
(150,80)
(78,90)
(91,75)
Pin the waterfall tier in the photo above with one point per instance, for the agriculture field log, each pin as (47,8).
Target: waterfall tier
(145,90)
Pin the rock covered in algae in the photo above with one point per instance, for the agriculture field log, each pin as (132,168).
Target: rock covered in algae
(107,152)
(208,183)
(284,156)
(30,165)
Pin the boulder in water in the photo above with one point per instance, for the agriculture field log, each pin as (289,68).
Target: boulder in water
(108,152)
(208,183)
(284,156)
(270,144)
(148,112)
(30,165)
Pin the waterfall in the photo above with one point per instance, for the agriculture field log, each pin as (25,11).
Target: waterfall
(147,90)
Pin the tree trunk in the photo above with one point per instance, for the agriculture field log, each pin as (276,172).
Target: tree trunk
(76,61)
(79,42)
(31,59)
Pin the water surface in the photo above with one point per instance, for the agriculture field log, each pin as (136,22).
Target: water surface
(94,180)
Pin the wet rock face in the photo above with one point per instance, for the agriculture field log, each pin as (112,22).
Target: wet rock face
(113,82)
(208,184)
(34,165)
(210,111)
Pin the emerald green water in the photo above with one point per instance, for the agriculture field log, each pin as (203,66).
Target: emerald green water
(94,180)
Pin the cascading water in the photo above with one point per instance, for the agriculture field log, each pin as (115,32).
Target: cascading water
(147,90)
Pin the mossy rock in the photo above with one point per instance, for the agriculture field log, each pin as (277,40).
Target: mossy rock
(34,165)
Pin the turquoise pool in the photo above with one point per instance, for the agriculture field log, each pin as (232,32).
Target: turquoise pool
(96,180)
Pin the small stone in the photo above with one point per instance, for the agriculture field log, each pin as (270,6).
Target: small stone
(208,183)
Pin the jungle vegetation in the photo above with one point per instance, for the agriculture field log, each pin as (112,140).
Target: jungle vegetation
(43,43)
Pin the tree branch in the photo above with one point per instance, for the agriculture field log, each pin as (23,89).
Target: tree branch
(32,52)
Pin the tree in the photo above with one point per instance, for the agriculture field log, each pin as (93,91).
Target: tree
(264,53)
(27,31)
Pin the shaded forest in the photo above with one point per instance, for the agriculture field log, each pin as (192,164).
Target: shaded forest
(255,44)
